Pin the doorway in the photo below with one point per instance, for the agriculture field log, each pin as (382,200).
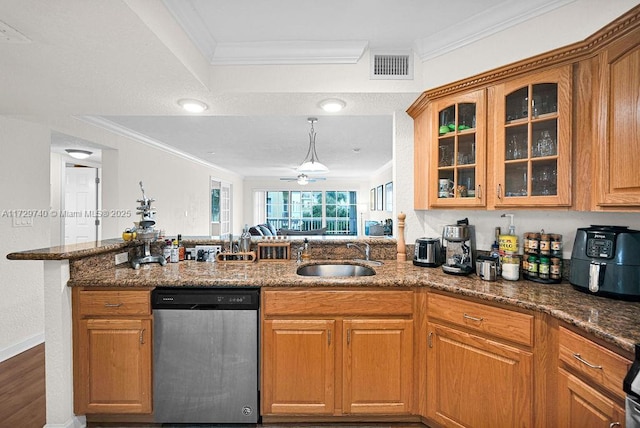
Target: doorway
(81,204)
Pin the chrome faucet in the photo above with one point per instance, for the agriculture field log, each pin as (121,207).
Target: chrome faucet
(366,251)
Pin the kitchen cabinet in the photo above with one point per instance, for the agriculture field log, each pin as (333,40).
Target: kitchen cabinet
(112,351)
(532,134)
(479,364)
(337,352)
(457,172)
(562,130)
(589,383)
(617,143)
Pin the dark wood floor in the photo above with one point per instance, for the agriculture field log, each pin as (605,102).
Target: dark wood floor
(22,390)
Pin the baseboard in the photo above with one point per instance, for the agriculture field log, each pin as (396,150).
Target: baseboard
(75,422)
(20,347)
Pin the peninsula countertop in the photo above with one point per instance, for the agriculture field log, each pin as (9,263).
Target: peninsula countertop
(614,321)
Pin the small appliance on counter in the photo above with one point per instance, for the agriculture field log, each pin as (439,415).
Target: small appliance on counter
(487,267)
(459,250)
(428,252)
(631,387)
(605,262)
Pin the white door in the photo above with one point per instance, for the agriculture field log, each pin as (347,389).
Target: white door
(80,205)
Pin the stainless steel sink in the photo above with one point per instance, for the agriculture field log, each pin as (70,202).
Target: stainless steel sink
(329,269)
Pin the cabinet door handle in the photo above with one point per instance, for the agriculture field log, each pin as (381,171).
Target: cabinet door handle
(479,191)
(499,191)
(614,424)
(142,336)
(329,337)
(430,339)
(348,336)
(587,363)
(469,317)
(112,305)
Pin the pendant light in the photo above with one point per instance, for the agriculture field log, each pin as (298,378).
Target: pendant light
(311,163)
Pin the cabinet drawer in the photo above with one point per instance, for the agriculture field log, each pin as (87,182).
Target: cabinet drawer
(337,302)
(592,361)
(114,302)
(510,325)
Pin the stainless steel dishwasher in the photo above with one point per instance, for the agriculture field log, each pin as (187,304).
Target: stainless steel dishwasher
(205,355)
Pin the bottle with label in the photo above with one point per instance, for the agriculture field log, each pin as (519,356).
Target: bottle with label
(175,255)
(166,250)
(180,249)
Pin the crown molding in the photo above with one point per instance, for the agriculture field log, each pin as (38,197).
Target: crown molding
(291,52)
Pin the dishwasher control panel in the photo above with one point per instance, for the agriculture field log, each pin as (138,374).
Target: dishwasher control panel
(200,298)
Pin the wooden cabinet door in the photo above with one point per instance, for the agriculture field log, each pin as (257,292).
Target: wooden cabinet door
(580,405)
(298,366)
(114,366)
(618,141)
(532,134)
(378,367)
(477,382)
(458,151)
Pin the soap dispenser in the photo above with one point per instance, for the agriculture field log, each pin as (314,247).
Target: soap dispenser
(306,255)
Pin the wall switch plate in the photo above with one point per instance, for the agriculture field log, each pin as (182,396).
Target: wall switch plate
(122,258)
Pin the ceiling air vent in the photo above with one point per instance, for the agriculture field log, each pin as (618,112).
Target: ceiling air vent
(391,66)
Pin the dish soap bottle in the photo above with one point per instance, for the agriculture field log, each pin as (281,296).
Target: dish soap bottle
(306,256)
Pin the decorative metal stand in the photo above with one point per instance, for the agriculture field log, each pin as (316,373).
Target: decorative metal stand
(146,232)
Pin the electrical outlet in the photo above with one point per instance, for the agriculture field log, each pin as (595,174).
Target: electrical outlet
(122,258)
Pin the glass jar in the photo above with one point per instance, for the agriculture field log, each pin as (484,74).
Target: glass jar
(545,244)
(555,270)
(556,245)
(544,268)
(532,266)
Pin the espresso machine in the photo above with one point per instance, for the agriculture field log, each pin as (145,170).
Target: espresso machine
(458,248)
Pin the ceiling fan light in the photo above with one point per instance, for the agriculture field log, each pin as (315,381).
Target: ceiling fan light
(192,106)
(303,180)
(332,105)
(78,154)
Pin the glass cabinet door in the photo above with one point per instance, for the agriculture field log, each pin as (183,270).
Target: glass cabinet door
(458,172)
(533,132)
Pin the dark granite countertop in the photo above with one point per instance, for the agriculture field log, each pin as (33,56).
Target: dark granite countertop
(613,321)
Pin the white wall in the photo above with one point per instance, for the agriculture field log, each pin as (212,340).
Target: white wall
(24,164)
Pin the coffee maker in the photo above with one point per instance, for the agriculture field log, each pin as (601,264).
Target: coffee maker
(458,248)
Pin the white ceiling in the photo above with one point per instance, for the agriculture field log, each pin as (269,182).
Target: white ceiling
(122,64)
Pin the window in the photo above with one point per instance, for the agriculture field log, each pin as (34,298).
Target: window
(313,210)
(341,213)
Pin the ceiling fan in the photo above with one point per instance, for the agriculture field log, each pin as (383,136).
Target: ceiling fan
(303,179)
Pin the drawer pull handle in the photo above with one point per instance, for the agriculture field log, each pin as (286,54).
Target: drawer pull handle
(614,424)
(112,305)
(583,361)
(469,317)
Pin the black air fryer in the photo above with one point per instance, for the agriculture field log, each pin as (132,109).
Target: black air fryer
(605,261)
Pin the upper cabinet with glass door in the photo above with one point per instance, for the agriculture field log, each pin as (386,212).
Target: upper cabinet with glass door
(458,159)
(533,140)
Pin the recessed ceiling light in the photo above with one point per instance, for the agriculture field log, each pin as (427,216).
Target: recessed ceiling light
(193,106)
(332,105)
(78,154)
